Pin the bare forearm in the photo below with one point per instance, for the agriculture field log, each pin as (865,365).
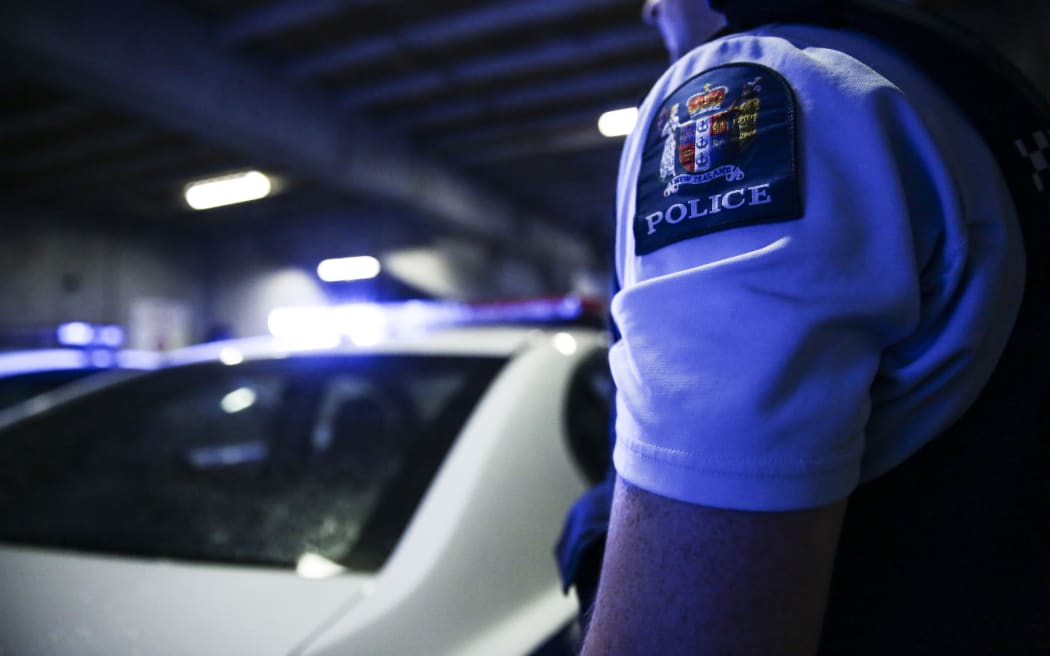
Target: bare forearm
(686,579)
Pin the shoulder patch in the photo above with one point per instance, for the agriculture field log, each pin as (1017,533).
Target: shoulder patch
(720,153)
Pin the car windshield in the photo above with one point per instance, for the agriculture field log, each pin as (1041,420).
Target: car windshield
(266,462)
(20,387)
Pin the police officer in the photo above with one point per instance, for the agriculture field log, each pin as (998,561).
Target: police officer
(820,265)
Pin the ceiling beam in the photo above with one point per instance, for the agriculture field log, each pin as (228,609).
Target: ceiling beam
(78,149)
(567,141)
(484,135)
(478,109)
(397,89)
(518,63)
(42,121)
(638,42)
(160,166)
(462,27)
(551,138)
(153,60)
(285,16)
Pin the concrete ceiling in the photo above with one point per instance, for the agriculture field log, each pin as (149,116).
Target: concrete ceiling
(467,118)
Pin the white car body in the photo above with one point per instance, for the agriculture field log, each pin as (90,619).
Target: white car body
(473,573)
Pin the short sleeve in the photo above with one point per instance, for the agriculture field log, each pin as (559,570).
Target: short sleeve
(754,344)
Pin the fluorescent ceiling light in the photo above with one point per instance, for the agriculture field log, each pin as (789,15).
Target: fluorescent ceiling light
(227,190)
(348,268)
(618,122)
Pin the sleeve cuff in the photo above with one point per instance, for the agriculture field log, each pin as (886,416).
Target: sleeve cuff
(754,490)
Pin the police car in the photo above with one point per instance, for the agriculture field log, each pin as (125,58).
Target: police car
(401,495)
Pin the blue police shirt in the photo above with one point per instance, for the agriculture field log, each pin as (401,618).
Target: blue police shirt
(819,264)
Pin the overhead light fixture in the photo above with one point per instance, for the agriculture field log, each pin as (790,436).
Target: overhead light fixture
(348,268)
(228,189)
(617,122)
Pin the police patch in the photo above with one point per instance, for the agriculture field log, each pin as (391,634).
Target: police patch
(719,154)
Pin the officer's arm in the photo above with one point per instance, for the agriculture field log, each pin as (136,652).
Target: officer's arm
(687,579)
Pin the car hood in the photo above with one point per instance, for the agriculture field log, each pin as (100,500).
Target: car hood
(59,603)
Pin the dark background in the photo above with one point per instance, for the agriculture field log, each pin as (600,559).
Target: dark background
(456,140)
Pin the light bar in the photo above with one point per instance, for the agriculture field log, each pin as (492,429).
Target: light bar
(76,333)
(227,190)
(617,122)
(348,268)
(366,324)
(301,321)
(81,333)
(111,336)
(20,362)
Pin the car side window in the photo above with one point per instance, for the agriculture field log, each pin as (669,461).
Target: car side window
(588,416)
(264,463)
(224,424)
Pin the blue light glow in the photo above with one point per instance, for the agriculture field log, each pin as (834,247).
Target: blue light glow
(102,358)
(314,322)
(111,336)
(81,333)
(76,333)
(366,324)
(21,362)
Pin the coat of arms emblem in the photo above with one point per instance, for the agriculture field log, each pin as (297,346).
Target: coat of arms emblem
(700,146)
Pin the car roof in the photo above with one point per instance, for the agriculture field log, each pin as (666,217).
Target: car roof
(493,341)
(29,361)
(480,341)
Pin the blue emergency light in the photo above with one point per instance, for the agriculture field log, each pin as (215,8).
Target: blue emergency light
(83,334)
(369,323)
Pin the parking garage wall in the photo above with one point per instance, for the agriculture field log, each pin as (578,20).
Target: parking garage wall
(53,273)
